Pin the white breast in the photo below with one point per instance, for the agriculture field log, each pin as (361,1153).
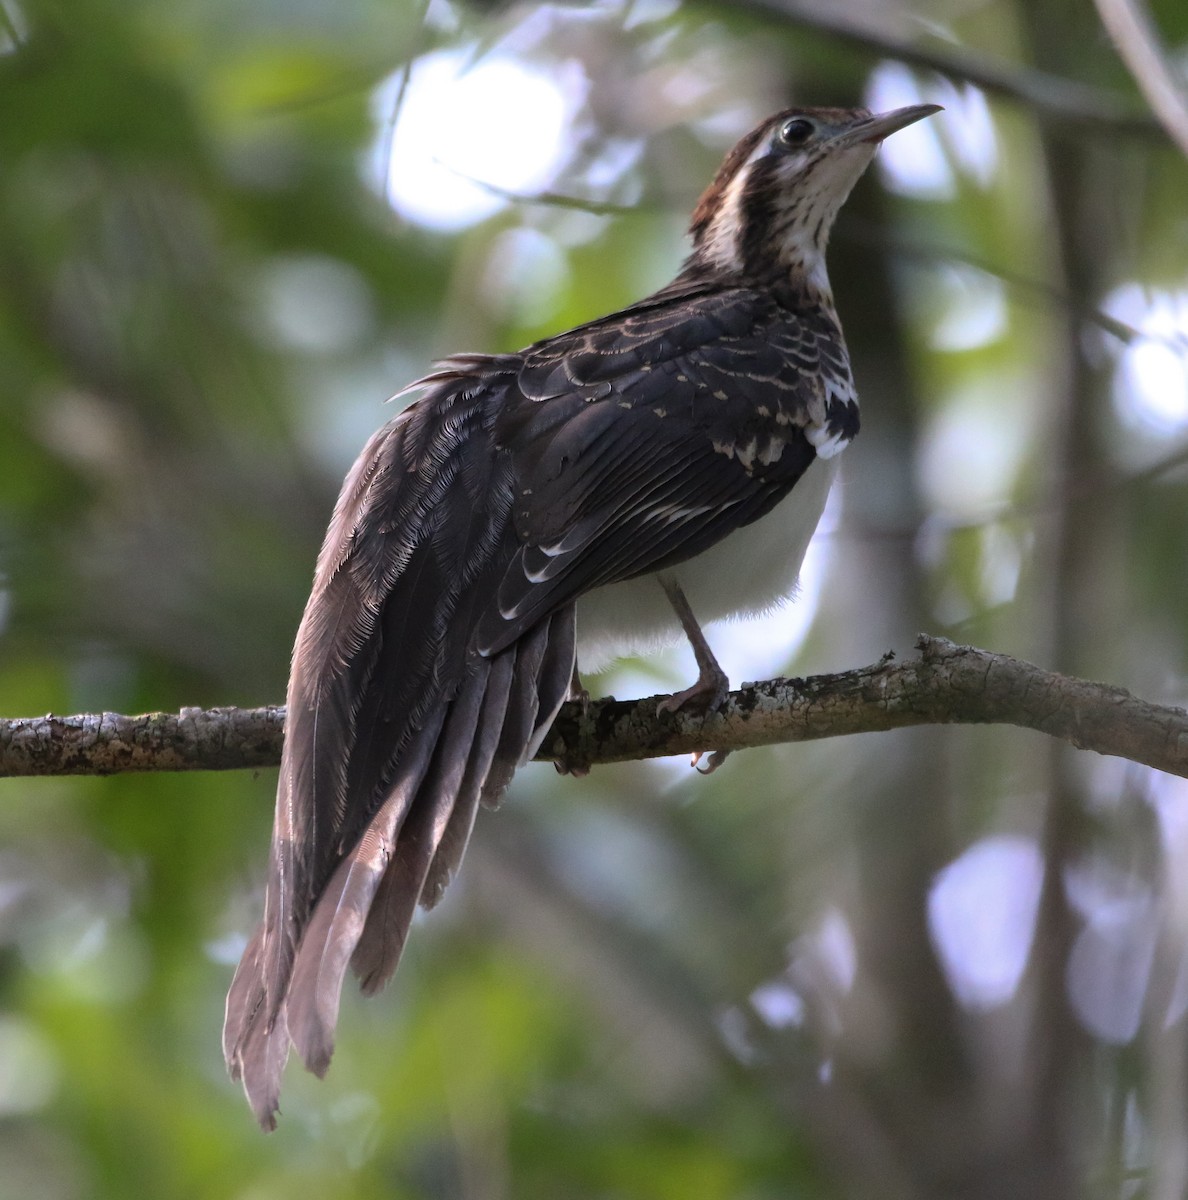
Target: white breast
(753,570)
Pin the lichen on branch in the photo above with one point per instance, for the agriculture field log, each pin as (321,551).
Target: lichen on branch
(946,684)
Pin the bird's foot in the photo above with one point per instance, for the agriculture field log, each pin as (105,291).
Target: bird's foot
(704,696)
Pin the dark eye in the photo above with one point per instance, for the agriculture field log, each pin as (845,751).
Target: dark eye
(796,132)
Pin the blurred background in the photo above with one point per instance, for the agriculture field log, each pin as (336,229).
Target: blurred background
(934,963)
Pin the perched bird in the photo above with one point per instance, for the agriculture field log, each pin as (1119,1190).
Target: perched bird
(598,492)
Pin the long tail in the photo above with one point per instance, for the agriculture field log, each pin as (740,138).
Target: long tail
(464,754)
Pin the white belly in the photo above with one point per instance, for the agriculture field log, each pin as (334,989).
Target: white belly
(752,570)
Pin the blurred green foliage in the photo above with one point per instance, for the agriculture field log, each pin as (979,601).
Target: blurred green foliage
(580,1018)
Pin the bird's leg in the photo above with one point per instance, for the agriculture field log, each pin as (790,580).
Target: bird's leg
(707,694)
(577,692)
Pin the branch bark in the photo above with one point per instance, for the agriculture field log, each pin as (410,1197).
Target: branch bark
(947,684)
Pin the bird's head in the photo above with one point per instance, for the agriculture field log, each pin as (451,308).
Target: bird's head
(771,205)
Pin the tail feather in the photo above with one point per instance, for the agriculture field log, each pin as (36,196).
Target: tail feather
(381,942)
(533,692)
(256,1046)
(522,709)
(244,998)
(556,676)
(315,985)
(464,754)
(551,647)
(257,1033)
(457,833)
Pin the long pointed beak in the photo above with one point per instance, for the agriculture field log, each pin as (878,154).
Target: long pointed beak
(885,124)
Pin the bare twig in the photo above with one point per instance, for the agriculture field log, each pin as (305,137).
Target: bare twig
(1072,491)
(1134,36)
(392,118)
(947,684)
(870,234)
(850,229)
(598,208)
(1041,90)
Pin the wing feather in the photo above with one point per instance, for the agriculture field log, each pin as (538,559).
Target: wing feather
(394,723)
(717,407)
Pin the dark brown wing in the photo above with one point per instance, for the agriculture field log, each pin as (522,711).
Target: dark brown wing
(640,442)
(396,729)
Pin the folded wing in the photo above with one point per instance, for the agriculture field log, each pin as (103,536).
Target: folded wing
(396,728)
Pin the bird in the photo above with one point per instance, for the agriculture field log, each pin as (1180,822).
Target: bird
(598,493)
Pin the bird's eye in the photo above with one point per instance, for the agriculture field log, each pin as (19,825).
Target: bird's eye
(796,132)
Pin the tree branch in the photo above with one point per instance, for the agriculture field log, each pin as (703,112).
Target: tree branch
(1133,33)
(1068,99)
(196,739)
(947,684)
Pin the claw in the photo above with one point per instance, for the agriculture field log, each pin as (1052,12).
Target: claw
(716,759)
